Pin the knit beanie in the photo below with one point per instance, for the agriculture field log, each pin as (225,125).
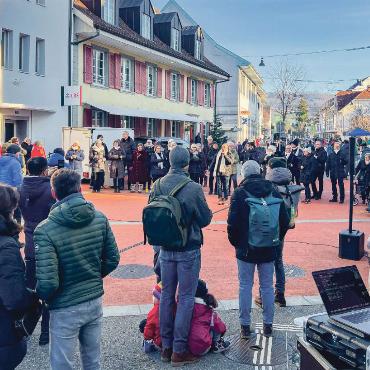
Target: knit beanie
(13,149)
(277,162)
(250,168)
(179,157)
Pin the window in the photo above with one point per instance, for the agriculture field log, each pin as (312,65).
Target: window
(40,57)
(7,48)
(175,87)
(128,122)
(197,51)
(175,129)
(150,127)
(194,91)
(24,52)
(99,118)
(109,11)
(41,2)
(99,66)
(146,26)
(175,39)
(207,95)
(127,74)
(151,78)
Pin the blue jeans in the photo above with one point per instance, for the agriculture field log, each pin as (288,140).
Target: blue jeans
(178,269)
(279,270)
(82,322)
(222,186)
(246,278)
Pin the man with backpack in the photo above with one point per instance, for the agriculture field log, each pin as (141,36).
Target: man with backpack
(174,218)
(256,225)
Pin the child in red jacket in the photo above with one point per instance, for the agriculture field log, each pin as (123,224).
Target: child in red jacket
(207,328)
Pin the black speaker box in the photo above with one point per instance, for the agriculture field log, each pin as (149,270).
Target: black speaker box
(351,245)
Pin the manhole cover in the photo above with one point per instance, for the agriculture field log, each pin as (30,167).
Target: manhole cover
(292,271)
(133,271)
(259,351)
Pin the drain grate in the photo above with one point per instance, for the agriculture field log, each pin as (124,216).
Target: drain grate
(133,271)
(293,271)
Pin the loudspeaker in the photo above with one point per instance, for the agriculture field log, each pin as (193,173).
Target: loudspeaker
(351,245)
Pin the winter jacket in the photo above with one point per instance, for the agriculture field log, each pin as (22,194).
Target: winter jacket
(75,163)
(152,328)
(38,151)
(128,146)
(307,169)
(293,163)
(238,220)
(155,170)
(116,167)
(319,160)
(279,176)
(204,320)
(54,159)
(345,151)
(223,164)
(335,165)
(251,155)
(196,164)
(139,172)
(234,165)
(211,157)
(97,158)
(10,170)
(28,149)
(363,173)
(15,299)
(195,211)
(35,204)
(75,250)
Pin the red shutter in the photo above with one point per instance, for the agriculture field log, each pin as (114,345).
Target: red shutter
(143,78)
(182,130)
(88,58)
(200,92)
(137,126)
(117,82)
(167,128)
(87,121)
(138,77)
(189,91)
(168,85)
(111,120)
(181,88)
(212,95)
(159,82)
(112,70)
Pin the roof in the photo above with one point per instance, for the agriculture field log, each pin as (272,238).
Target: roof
(164,17)
(132,3)
(190,30)
(125,32)
(345,97)
(363,95)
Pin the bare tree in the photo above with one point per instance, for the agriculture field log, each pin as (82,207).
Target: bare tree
(361,118)
(287,80)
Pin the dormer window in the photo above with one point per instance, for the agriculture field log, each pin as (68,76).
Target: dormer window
(146,27)
(109,11)
(175,39)
(197,49)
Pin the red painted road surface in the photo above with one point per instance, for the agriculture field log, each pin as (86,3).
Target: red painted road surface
(312,245)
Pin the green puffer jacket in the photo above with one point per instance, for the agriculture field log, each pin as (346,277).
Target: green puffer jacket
(75,248)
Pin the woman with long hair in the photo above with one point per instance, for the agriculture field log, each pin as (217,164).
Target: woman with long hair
(222,172)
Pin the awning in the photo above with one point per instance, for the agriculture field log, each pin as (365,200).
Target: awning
(131,112)
(17,106)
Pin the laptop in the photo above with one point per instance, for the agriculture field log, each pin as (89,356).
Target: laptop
(345,298)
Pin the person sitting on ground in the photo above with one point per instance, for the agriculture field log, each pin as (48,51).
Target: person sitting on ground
(256,243)
(207,328)
(75,155)
(38,150)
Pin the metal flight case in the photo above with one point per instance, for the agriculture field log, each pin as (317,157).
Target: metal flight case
(337,342)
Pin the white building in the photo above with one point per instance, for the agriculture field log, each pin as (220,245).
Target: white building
(34,66)
(239,100)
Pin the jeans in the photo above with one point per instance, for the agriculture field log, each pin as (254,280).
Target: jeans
(222,182)
(279,270)
(82,322)
(246,279)
(334,188)
(233,179)
(319,176)
(307,191)
(178,269)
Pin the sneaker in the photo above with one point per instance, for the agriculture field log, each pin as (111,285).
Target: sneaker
(44,339)
(267,330)
(280,299)
(334,200)
(184,358)
(166,354)
(220,346)
(245,332)
(258,301)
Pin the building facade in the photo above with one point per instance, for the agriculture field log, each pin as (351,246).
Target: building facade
(34,66)
(142,71)
(239,101)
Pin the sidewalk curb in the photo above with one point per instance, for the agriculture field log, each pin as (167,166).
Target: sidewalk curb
(224,305)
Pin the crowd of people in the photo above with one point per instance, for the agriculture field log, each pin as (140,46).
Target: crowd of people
(69,246)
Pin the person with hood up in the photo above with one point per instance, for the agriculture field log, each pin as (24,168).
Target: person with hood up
(56,159)
(38,150)
(10,167)
(139,173)
(250,255)
(35,203)
(75,156)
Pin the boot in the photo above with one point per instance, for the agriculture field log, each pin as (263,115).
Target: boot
(334,200)
(44,339)
(245,332)
(181,359)
(166,354)
(280,299)
(267,330)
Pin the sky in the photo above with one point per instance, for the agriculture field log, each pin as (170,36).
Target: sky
(256,28)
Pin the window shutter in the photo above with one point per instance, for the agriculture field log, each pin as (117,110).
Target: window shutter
(112,70)
(200,93)
(88,77)
(168,85)
(111,120)
(137,126)
(212,95)
(167,128)
(182,130)
(159,82)
(117,82)
(138,77)
(189,91)
(143,78)
(181,97)
(87,121)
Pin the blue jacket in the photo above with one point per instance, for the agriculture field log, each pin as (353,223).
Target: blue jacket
(10,170)
(55,158)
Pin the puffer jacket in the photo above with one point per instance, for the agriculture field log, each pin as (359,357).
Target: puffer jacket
(152,328)
(35,204)
(75,248)
(38,151)
(200,337)
(238,220)
(10,170)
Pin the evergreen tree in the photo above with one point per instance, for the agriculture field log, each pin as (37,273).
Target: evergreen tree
(217,132)
(302,117)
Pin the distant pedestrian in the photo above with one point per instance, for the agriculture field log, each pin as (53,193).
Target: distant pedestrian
(10,167)
(38,150)
(211,161)
(197,139)
(116,167)
(149,147)
(222,173)
(139,173)
(319,161)
(75,250)
(97,163)
(27,146)
(56,159)
(234,167)
(196,165)
(307,173)
(128,146)
(295,169)
(75,155)
(157,164)
(363,177)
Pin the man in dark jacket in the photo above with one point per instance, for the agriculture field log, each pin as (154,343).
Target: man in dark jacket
(295,168)
(319,161)
(180,269)
(248,257)
(75,249)
(335,168)
(128,147)
(196,165)
(345,152)
(35,203)
(211,161)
